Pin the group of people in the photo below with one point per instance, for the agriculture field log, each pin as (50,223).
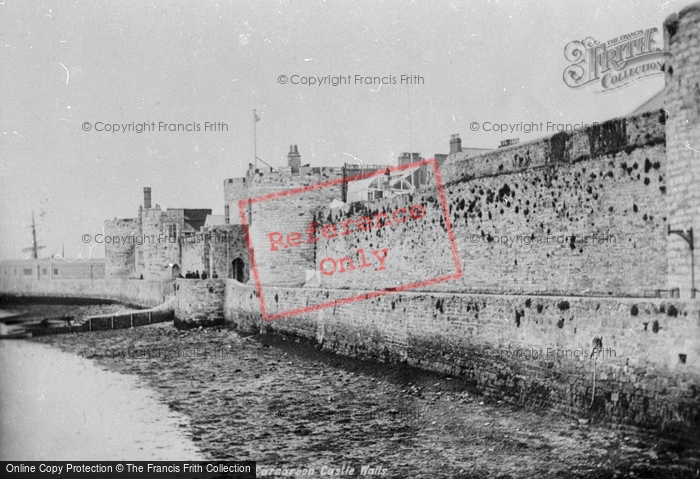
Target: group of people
(196,275)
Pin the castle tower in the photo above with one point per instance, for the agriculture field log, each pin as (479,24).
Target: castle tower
(234,192)
(681,33)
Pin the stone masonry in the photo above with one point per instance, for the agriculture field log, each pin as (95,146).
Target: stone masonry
(683,145)
(529,350)
(560,215)
(523,321)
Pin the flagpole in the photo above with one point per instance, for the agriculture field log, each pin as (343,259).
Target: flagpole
(255,162)
(255,141)
(410,135)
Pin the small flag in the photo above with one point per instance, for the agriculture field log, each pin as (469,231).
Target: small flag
(257,118)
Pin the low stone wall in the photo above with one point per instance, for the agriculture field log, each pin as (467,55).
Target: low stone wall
(199,302)
(530,350)
(122,320)
(129,291)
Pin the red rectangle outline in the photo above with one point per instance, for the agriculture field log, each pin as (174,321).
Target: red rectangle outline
(441,192)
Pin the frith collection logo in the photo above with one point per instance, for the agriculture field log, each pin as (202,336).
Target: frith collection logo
(615,63)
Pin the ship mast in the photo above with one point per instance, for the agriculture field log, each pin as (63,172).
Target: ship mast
(34,248)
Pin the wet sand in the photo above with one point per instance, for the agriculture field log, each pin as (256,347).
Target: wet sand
(285,404)
(56,405)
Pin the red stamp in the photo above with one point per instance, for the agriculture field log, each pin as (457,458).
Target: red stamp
(347,247)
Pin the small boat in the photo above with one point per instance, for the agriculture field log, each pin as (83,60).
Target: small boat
(53,322)
(12,317)
(13,333)
(17,335)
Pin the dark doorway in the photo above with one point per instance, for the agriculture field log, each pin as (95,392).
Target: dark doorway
(174,272)
(237,270)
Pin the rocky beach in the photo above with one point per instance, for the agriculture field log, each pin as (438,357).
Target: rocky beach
(286,404)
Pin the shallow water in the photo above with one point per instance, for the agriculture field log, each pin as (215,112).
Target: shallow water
(60,406)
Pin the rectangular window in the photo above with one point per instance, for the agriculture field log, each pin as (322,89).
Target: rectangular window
(375,195)
(27,271)
(172,231)
(44,271)
(55,271)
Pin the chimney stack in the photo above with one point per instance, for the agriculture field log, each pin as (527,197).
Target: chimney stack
(408,158)
(294,158)
(147,197)
(455,143)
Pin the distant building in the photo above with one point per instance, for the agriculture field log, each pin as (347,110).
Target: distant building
(457,152)
(49,269)
(149,246)
(392,183)
(509,142)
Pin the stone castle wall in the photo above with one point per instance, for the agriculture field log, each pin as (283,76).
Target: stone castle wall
(683,148)
(290,212)
(121,259)
(222,243)
(163,251)
(626,181)
(527,350)
(229,246)
(611,192)
(566,147)
(199,302)
(193,257)
(581,214)
(234,192)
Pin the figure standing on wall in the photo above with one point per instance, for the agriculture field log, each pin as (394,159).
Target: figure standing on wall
(204,275)
(196,274)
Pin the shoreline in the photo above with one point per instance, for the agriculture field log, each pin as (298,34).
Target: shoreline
(287,404)
(56,406)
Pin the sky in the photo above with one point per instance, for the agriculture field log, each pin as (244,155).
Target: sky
(66,66)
